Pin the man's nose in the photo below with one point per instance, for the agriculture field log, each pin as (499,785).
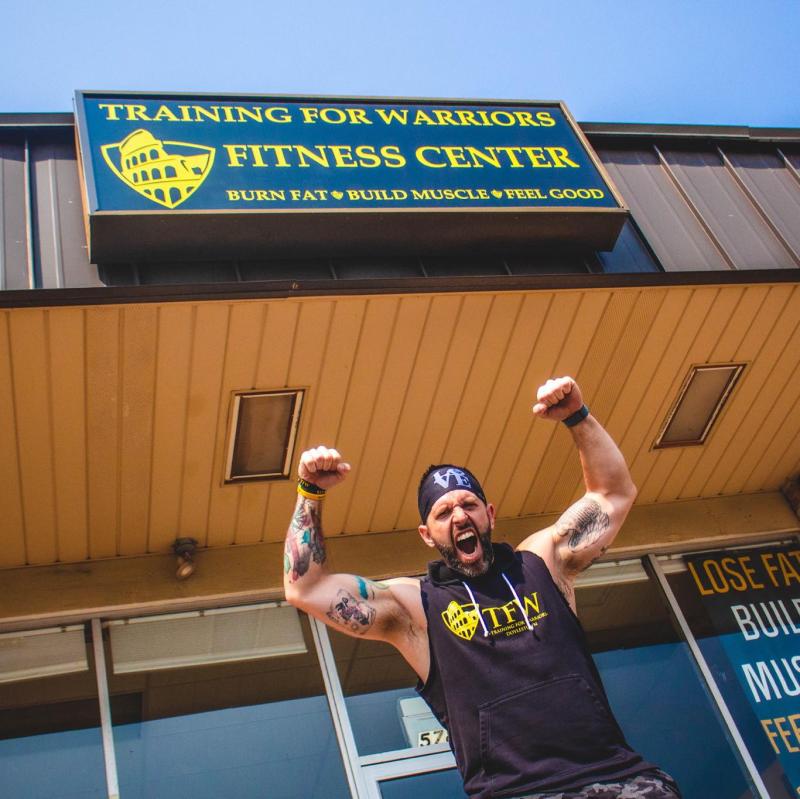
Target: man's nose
(459,514)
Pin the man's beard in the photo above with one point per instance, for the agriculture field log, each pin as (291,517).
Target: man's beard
(450,556)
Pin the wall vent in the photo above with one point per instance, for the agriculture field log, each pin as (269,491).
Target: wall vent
(699,402)
(263,432)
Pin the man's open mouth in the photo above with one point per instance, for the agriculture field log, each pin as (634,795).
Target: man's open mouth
(467,542)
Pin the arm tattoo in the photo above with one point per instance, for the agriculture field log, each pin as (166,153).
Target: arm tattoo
(366,588)
(583,524)
(304,541)
(351,612)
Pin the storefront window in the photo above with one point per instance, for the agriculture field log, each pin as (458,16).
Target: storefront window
(385,711)
(234,706)
(434,785)
(743,610)
(652,684)
(50,741)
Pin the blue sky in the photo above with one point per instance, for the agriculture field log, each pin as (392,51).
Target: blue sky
(667,61)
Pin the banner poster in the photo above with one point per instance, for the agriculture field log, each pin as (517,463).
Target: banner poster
(752,597)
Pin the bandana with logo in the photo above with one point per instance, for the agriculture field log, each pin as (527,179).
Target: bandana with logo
(440,481)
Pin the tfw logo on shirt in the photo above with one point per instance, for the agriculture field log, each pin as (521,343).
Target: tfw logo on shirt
(463,620)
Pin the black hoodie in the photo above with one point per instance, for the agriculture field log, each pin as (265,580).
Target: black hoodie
(513,681)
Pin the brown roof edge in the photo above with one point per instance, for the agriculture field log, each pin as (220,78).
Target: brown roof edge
(49,119)
(737,132)
(277,289)
(36,120)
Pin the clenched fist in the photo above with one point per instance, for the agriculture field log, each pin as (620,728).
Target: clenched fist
(557,399)
(322,466)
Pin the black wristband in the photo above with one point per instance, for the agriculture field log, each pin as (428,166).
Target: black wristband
(310,488)
(576,417)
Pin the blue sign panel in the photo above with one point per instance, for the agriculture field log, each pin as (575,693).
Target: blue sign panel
(753,600)
(190,154)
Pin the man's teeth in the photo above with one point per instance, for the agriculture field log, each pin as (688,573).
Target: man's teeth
(467,542)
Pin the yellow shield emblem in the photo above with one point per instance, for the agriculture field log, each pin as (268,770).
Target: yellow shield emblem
(166,172)
(461,620)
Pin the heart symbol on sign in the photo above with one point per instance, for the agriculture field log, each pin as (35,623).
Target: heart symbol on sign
(337,195)
(497,193)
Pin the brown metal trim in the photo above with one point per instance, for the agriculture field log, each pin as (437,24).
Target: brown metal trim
(196,602)
(693,208)
(789,165)
(644,130)
(120,236)
(37,120)
(281,289)
(737,179)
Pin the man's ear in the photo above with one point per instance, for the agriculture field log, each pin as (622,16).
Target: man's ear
(491,515)
(425,535)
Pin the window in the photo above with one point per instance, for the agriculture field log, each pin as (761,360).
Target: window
(222,715)
(50,740)
(651,682)
(699,402)
(263,432)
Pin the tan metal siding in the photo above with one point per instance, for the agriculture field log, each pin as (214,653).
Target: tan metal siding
(12,552)
(30,378)
(67,401)
(137,396)
(760,324)
(400,472)
(114,420)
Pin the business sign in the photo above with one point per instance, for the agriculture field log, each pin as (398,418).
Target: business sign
(753,600)
(196,155)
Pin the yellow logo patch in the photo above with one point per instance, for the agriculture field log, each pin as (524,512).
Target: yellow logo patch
(166,172)
(462,620)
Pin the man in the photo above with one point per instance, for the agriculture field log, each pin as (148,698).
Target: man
(491,631)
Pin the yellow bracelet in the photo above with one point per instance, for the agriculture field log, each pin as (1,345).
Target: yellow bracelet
(309,495)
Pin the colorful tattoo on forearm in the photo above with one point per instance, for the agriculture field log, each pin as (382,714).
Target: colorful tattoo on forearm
(304,542)
(351,612)
(366,588)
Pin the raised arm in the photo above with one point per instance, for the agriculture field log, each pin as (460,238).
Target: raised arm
(588,527)
(352,604)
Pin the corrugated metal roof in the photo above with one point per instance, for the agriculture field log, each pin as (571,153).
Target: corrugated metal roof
(14,254)
(42,238)
(734,222)
(702,198)
(710,207)
(775,188)
(60,244)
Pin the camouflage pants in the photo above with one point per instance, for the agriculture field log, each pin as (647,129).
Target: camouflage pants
(654,785)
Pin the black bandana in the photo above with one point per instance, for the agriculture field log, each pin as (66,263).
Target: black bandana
(442,479)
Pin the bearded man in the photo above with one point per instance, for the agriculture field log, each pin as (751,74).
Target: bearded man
(491,631)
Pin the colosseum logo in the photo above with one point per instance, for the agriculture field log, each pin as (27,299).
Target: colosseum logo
(166,172)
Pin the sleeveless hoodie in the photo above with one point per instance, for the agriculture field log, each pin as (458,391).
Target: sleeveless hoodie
(512,680)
